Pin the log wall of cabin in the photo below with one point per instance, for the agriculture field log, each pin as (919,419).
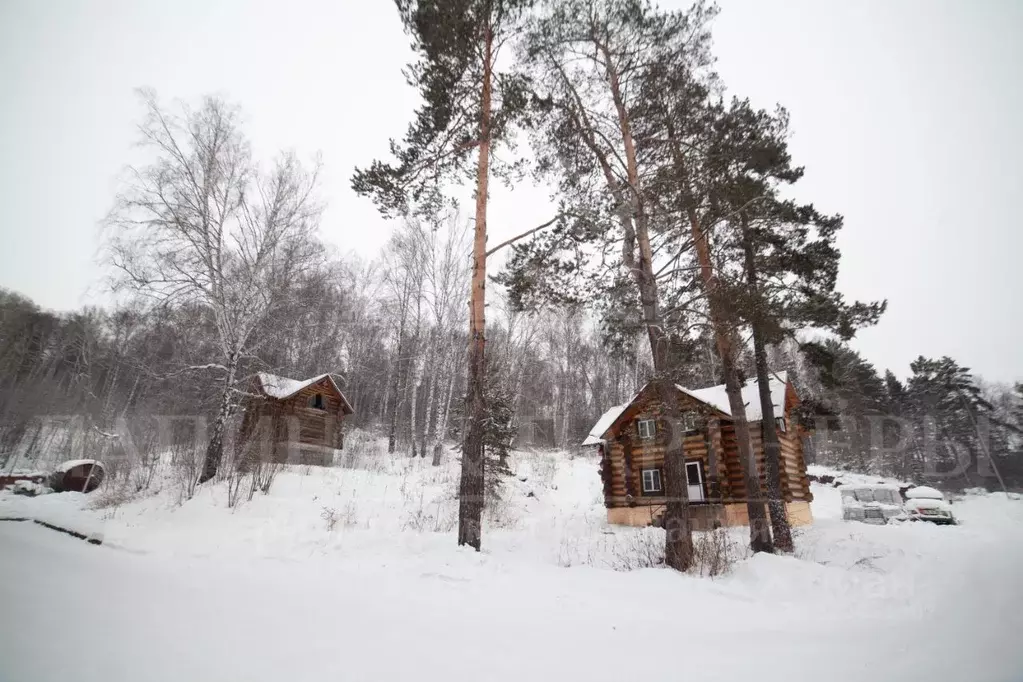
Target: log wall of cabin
(626,455)
(316,426)
(297,422)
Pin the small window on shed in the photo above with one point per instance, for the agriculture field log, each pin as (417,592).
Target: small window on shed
(646,427)
(316,402)
(688,422)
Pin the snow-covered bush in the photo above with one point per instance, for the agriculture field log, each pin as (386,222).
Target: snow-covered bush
(330,518)
(363,450)
(186,460)
(714,552)
(537,466)
(435,516)
(112,496)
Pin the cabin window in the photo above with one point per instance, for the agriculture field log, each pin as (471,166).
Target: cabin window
(652,481)
(316,402)
(647,428)
(688,422)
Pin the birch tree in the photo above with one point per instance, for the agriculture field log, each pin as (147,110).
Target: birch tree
(202,225)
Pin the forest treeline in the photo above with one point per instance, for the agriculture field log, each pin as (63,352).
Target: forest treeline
(554,372)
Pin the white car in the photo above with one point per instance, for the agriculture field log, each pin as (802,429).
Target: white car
(924,503)
(871,503)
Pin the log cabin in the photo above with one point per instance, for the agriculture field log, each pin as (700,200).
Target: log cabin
(632,440)
(305,418)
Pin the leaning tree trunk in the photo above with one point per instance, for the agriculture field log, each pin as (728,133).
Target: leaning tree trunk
(215,446)
(772,447)
(678,544)
(470,487)
(760,534)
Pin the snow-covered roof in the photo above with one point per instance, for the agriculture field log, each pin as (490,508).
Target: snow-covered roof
(282,388)
(715,396)
(67,466)
(922,492)
(604,423)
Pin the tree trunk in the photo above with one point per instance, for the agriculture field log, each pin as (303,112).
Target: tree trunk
(678,544)
(215,446)
(556,398)
(417,381)
(392,434)
(442,424)
(431,392)
(470,488)
(760,534)
(772,447)
(516,400)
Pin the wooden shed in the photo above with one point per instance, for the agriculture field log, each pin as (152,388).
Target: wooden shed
(632,440)
(298,421)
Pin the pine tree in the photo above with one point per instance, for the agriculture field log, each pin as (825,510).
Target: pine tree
(498,430)
(852,393)
(942,390)
(592,61)
(687,135)
(790,262)
(468,105)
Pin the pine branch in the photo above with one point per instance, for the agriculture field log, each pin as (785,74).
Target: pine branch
(523,235)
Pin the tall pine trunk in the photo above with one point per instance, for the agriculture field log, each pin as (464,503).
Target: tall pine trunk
(760,534)
(678,544)
(772,447)
(470,487)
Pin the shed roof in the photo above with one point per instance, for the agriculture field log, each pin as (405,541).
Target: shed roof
(282,388)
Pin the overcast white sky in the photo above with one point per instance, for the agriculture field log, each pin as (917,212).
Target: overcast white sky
(907,114)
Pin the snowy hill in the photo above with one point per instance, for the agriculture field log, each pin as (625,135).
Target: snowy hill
(353,573)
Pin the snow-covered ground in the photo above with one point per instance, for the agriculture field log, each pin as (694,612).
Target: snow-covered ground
(197,591)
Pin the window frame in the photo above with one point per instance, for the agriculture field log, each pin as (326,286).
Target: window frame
(699,472)
(656,475)
(316,402)
(689,422)
(701,475)
(652,431)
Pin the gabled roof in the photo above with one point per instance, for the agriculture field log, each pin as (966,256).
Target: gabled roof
(604,423)
(282,388)
(716,397)
(713,396)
